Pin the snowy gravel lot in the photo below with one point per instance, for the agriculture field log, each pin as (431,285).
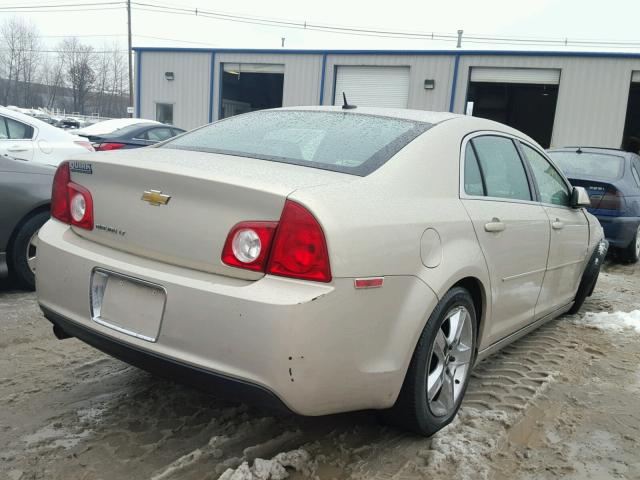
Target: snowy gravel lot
(561,403)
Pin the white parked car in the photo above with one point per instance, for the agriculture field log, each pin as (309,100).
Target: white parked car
(27,138)
(109,126)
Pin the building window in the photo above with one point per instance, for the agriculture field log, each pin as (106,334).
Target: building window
(164,113)
(250,86)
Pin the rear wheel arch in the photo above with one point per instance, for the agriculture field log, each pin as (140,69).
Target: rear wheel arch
(45,207)
(479,295)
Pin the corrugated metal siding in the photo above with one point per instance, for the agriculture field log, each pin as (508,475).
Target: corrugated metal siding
(592,96)
(301,76)
(188,92)
(422,67)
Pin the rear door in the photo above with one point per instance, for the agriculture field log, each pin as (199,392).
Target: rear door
(512,228)
(16,139)
(569,233)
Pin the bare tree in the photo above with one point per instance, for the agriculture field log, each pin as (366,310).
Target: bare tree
(78,62)
(52,76)
(19,60)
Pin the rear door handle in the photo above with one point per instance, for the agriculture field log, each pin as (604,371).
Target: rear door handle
(495,225)
(17,148)
(557,225)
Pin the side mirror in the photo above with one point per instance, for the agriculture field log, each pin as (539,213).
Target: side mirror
(580,198)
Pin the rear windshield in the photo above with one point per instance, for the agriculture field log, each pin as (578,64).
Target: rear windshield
(589,164)
(340,141)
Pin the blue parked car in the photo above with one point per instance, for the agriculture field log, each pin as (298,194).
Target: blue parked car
(612,179)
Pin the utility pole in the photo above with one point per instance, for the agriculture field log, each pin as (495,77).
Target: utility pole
(130,55)
(460,32)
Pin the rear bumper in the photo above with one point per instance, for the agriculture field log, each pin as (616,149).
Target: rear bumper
(169,368)
(317,348)
(620,231)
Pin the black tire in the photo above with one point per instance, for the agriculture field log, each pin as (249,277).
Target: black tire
(20,247)
(588,282)
(412,410)
(631,253)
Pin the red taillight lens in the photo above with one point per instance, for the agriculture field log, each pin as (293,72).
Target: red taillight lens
(248,245)
(71,203)
(105,147)
(59,195)
(299,247)
(611,200)
(85,144)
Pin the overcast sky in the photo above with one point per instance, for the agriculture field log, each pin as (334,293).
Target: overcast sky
(575,19)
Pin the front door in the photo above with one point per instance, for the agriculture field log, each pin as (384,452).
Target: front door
(569,234)
(512,229)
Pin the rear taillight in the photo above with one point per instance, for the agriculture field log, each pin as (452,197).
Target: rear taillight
(105,147)
(294,247)
(299,247)
(248,245)
(85,144)
(71,203)
(59,196)
(611,200)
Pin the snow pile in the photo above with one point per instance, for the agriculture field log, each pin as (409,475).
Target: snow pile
(616,322)
(274,469)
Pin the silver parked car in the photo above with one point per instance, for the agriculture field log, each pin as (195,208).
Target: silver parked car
(25,198)
(319,259)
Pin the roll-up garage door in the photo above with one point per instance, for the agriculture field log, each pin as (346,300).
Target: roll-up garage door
(370,86)
(540,76)
(635,77)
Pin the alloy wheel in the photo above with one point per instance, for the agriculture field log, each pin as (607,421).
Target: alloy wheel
(31,252)
(449,361)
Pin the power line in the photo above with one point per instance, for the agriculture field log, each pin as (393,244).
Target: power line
(380,33)
(60,5)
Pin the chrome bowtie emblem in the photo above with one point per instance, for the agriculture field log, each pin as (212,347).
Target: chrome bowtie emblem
(155,197)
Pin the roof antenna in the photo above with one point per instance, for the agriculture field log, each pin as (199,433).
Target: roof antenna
(345,105)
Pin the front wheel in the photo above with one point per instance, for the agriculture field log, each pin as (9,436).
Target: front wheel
(439,372)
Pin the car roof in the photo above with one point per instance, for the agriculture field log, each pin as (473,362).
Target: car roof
(401,113)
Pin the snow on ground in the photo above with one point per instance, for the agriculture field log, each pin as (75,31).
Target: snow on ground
(617,322)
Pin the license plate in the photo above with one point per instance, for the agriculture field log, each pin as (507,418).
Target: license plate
(126,304)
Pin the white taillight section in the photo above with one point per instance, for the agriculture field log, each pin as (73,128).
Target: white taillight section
(372,282)
(85,144)
(246,245)
(78,207)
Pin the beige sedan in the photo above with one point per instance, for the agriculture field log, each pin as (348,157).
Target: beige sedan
(319,259)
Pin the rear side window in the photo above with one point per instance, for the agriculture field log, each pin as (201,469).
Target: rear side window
(473,184)
(159,134)
(501,167)
(14,130)
(552,187)
(343,142)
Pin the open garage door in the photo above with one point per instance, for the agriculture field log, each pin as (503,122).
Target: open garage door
(369,86)
(631,137)
(523,98)
(250,86)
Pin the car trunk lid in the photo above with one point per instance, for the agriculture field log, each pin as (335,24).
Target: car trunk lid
(178,206)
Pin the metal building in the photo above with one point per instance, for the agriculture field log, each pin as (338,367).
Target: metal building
(559,98)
